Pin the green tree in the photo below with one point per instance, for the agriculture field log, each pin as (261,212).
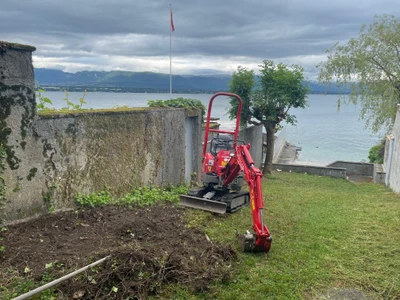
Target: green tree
(370,66)
(279,89)
(242,84)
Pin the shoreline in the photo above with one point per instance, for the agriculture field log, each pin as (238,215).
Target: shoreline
(127,90)
(309,163)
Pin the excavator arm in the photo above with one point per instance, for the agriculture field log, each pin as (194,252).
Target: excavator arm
(241,161)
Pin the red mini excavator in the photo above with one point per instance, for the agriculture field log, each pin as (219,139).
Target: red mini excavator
(223,169)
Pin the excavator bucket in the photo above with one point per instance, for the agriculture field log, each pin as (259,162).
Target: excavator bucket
(203,204)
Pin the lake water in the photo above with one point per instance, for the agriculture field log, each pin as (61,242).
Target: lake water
(324,133)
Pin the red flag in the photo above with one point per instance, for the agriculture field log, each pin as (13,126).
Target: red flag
(172,21)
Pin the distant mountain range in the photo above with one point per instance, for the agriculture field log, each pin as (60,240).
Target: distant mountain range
(124,81)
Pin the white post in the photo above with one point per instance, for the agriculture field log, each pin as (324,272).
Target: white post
(389,161)
(170,54)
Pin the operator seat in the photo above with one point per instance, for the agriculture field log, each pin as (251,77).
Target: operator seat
(221,142)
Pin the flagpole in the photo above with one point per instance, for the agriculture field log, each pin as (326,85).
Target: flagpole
(170,55)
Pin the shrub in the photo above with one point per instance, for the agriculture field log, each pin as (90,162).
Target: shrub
(179,103)
(377,152)
(140,196)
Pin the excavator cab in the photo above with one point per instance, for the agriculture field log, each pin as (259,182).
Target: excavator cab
(221,147)
(221,142)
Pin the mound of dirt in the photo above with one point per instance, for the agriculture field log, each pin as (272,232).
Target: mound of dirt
(149,248)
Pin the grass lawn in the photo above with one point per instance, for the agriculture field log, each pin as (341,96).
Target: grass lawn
(327,233)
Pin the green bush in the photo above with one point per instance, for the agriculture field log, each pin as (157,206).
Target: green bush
(179,103)
(376,153)
(95,199)
(141,196)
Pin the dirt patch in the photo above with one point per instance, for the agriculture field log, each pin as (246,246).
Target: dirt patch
(150,248)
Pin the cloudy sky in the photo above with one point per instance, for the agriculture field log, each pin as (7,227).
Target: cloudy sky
(211,36)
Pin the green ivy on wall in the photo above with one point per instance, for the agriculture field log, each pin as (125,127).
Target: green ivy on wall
(2,181)
(179,103)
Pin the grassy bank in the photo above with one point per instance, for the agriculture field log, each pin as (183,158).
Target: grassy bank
(327,233)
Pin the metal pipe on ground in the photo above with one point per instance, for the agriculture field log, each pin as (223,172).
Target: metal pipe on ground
(57,281)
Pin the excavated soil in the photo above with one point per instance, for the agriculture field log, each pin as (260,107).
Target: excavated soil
(149,248)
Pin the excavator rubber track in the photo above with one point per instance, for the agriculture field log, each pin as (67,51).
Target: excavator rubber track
(220,204)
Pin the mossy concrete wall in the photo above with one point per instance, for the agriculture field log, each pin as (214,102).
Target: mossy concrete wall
(354,168)
(52,157)
(23,181)
(392,158)
(313,170)
(253,135)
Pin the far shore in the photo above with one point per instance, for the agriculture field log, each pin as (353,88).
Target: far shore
(51,88)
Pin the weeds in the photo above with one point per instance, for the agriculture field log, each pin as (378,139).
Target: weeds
(44,102)
(141,196)
(71,105)
(95,199)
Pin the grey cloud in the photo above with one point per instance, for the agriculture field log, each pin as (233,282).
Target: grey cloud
(276,29)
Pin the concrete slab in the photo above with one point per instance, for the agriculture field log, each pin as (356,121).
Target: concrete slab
(359,178)
(288,154)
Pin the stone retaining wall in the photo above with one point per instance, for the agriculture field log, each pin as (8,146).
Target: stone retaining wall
(50,158)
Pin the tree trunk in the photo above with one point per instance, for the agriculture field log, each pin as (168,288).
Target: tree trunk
(270,149)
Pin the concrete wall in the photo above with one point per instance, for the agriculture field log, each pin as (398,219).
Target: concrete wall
(379,174)
(52,157)
(193,142)
(393,162)
(279,144)
(22,181)
(254,136)
(386,154)
(338,169)
(354,168)
(313,170)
